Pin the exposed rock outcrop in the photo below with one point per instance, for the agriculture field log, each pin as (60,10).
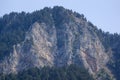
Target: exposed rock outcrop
(72,42)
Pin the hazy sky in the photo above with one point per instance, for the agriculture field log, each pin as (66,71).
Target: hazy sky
(105,14)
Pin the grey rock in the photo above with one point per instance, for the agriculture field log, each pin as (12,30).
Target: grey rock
(72,43)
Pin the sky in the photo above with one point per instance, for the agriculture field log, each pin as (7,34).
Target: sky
(104,14)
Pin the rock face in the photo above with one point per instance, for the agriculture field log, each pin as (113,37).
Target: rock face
(72,42)
(37,50)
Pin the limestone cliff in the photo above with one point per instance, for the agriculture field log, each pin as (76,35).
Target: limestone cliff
(71,42)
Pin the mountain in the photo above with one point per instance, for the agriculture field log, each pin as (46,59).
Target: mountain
(57,37)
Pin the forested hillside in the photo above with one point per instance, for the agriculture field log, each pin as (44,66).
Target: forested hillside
(53,39)
(71,72)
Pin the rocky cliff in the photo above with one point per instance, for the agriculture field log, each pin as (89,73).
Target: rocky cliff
(69,40)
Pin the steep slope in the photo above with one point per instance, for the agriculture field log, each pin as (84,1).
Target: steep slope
(56,37)
(111,43)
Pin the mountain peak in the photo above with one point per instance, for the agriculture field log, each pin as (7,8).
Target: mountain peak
(53,37)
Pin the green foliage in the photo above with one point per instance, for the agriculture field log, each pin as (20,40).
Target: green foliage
(102,75)
(112,41)
(71,72)
(61,15)
(14,26)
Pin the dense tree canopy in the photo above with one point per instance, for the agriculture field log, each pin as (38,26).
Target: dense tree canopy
(71,72)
